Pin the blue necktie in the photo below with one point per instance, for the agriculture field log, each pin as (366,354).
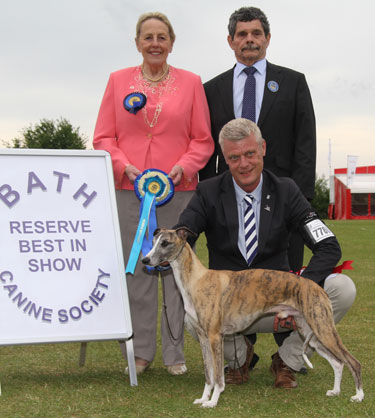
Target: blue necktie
(248,102)
(251,241)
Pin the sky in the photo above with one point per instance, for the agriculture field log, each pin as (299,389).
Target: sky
(56,57)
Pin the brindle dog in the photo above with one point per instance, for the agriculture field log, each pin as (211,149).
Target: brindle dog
(221,302)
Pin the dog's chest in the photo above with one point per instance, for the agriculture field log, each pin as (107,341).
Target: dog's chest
(188,305)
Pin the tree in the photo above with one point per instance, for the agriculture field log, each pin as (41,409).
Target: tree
(50,134)
(321,199)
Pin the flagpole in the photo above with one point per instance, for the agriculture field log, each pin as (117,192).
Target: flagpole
(329,157)
(330,178)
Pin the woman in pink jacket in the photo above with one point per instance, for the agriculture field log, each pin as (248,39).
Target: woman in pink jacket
(171,132)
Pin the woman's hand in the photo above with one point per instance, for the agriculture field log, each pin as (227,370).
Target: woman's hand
(176,174)
(132,172)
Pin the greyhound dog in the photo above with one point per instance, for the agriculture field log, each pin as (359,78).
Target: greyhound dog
(221,302)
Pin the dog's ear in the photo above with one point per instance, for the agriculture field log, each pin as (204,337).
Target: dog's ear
(184,233)
(157,230)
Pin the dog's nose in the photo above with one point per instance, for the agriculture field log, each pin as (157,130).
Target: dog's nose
(146,260)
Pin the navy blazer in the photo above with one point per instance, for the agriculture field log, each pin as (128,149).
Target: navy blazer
(286,120)
(213,210)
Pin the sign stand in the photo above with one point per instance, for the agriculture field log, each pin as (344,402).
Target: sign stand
(127,352)
(62,273)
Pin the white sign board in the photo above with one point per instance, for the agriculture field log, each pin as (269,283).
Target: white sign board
(62,276)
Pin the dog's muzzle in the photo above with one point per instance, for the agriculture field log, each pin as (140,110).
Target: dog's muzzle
(146,260)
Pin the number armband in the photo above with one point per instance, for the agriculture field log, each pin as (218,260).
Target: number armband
(317,230)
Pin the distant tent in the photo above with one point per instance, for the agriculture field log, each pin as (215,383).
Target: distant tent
(356,201)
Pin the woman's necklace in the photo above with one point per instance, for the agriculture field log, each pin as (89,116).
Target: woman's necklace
(157,112)
(154,80)
(146,87)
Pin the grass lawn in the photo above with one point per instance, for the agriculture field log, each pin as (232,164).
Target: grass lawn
(46,381)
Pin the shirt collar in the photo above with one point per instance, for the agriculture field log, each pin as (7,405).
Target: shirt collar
(240,193)
(259,65)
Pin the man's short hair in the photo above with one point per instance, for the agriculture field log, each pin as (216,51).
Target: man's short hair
(238,129)
(247,14)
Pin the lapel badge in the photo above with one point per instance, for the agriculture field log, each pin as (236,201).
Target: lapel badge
(273,86)
(267,208)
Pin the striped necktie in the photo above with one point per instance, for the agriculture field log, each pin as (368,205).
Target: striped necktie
(251,241)
(248,102)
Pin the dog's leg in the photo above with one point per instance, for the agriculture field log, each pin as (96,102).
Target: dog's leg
(355,368)
(359,396)
(311,340)
(337,366)
(332,349)
(217,345)
(208,367)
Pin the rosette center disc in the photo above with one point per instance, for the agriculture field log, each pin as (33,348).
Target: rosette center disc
(154,187)
(156,182)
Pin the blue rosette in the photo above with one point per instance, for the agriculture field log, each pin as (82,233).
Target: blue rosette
(156,182)
(134,102)
(153,188)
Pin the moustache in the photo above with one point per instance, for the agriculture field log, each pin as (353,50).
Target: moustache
(250,47)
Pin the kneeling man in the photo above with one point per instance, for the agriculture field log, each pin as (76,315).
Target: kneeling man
(247,214)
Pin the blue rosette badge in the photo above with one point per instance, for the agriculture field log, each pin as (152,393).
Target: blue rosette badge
(153,188)
(134,102)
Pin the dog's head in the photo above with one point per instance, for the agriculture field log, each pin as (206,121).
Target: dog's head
(167,245)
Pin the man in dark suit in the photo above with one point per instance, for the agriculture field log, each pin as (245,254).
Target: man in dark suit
(283,110)
(278,207)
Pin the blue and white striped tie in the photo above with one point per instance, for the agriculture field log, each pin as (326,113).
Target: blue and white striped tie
(251,241)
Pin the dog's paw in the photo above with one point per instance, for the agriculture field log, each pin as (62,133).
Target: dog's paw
(333,393)
(209,404)
(358,397)
(199,401)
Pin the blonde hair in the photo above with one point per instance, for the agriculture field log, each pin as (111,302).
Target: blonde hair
(238,129)
(155,15)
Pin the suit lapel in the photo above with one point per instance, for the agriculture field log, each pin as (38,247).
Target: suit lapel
(225,92)
(229,203)
(267,208)
(273,74)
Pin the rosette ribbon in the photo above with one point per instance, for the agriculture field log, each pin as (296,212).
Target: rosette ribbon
(153,188)
(346,265)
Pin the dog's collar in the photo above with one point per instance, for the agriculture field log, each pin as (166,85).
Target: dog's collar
(179,252)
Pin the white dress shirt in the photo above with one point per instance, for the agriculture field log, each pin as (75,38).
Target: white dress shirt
(239,80)
(241,207)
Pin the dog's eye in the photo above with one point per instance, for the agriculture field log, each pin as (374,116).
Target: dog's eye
(164,243)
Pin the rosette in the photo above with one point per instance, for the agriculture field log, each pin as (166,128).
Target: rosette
(156,182)
(153,188)
(134,102)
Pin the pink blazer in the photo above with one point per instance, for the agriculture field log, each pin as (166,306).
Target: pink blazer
(181,133)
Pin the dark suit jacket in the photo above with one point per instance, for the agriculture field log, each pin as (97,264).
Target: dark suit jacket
(286,120)
(213,210)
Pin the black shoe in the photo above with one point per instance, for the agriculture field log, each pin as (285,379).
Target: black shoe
(302,370)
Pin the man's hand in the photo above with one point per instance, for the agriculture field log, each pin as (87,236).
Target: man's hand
(287,322)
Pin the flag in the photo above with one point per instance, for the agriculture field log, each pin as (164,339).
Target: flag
(352,164)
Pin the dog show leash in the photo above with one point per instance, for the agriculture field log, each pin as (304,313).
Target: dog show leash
(175,340)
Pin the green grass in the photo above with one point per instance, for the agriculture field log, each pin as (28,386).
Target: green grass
(46,381)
